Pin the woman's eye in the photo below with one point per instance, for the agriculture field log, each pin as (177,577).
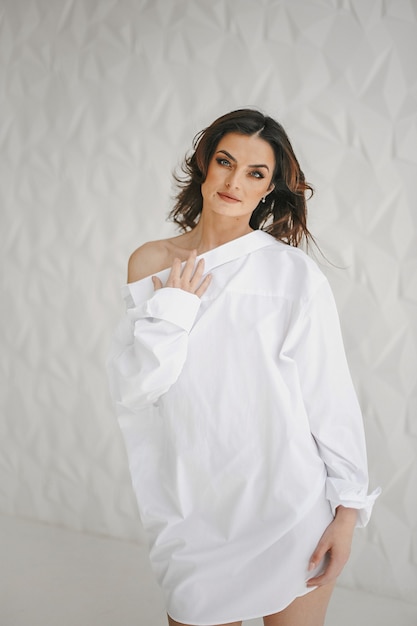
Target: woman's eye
(256,174)
(221,161)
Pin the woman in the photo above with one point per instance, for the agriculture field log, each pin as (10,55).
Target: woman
(243,431)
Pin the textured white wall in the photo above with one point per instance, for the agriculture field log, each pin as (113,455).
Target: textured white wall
(100,99)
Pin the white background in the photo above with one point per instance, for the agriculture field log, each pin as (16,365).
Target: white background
(100,100)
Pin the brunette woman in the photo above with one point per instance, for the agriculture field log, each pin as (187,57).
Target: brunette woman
(243,432)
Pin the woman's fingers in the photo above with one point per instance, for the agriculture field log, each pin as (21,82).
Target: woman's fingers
(318,555)
(333,569)
(157,283)
(188,278)
(188,269)
(336,555)
(174,278)
(197,276)
(204,286)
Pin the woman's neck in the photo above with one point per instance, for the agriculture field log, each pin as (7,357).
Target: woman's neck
(209,234)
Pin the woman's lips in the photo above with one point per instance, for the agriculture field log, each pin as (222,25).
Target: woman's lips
(227,197)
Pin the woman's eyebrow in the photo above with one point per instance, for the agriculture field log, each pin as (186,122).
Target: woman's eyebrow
(232,158)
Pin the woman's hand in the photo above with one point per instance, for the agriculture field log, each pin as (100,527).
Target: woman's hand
(335,544)
(189,279)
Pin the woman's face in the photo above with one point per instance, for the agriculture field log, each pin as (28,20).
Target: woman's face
(239,175)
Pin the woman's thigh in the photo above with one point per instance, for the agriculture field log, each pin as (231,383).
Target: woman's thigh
(172,622)
(307,610)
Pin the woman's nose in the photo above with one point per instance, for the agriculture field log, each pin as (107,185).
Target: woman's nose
(232,180)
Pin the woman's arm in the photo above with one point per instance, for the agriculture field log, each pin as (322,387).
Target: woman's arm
(150,346)
(331,404)
(337,427)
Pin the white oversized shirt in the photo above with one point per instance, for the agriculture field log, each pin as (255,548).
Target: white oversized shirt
(242,428)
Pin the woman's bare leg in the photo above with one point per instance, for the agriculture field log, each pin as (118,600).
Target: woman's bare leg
(308,610)
(172,622)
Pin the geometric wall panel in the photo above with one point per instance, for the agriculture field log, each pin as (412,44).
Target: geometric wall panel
(100,101)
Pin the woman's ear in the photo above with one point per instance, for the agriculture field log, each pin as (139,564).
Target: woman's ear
(271,188)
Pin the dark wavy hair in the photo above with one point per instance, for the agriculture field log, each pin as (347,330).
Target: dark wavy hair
(284,212)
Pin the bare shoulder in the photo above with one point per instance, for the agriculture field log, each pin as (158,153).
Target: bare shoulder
(154,256)
(148,259)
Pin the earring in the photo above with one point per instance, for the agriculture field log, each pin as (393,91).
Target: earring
(263,199)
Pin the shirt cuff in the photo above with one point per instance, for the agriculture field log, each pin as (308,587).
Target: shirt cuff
(351,495)
(170,304)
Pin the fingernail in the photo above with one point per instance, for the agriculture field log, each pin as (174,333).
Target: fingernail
(311,566)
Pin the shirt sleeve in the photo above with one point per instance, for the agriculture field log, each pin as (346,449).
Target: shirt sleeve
(332,406)
(149,348)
